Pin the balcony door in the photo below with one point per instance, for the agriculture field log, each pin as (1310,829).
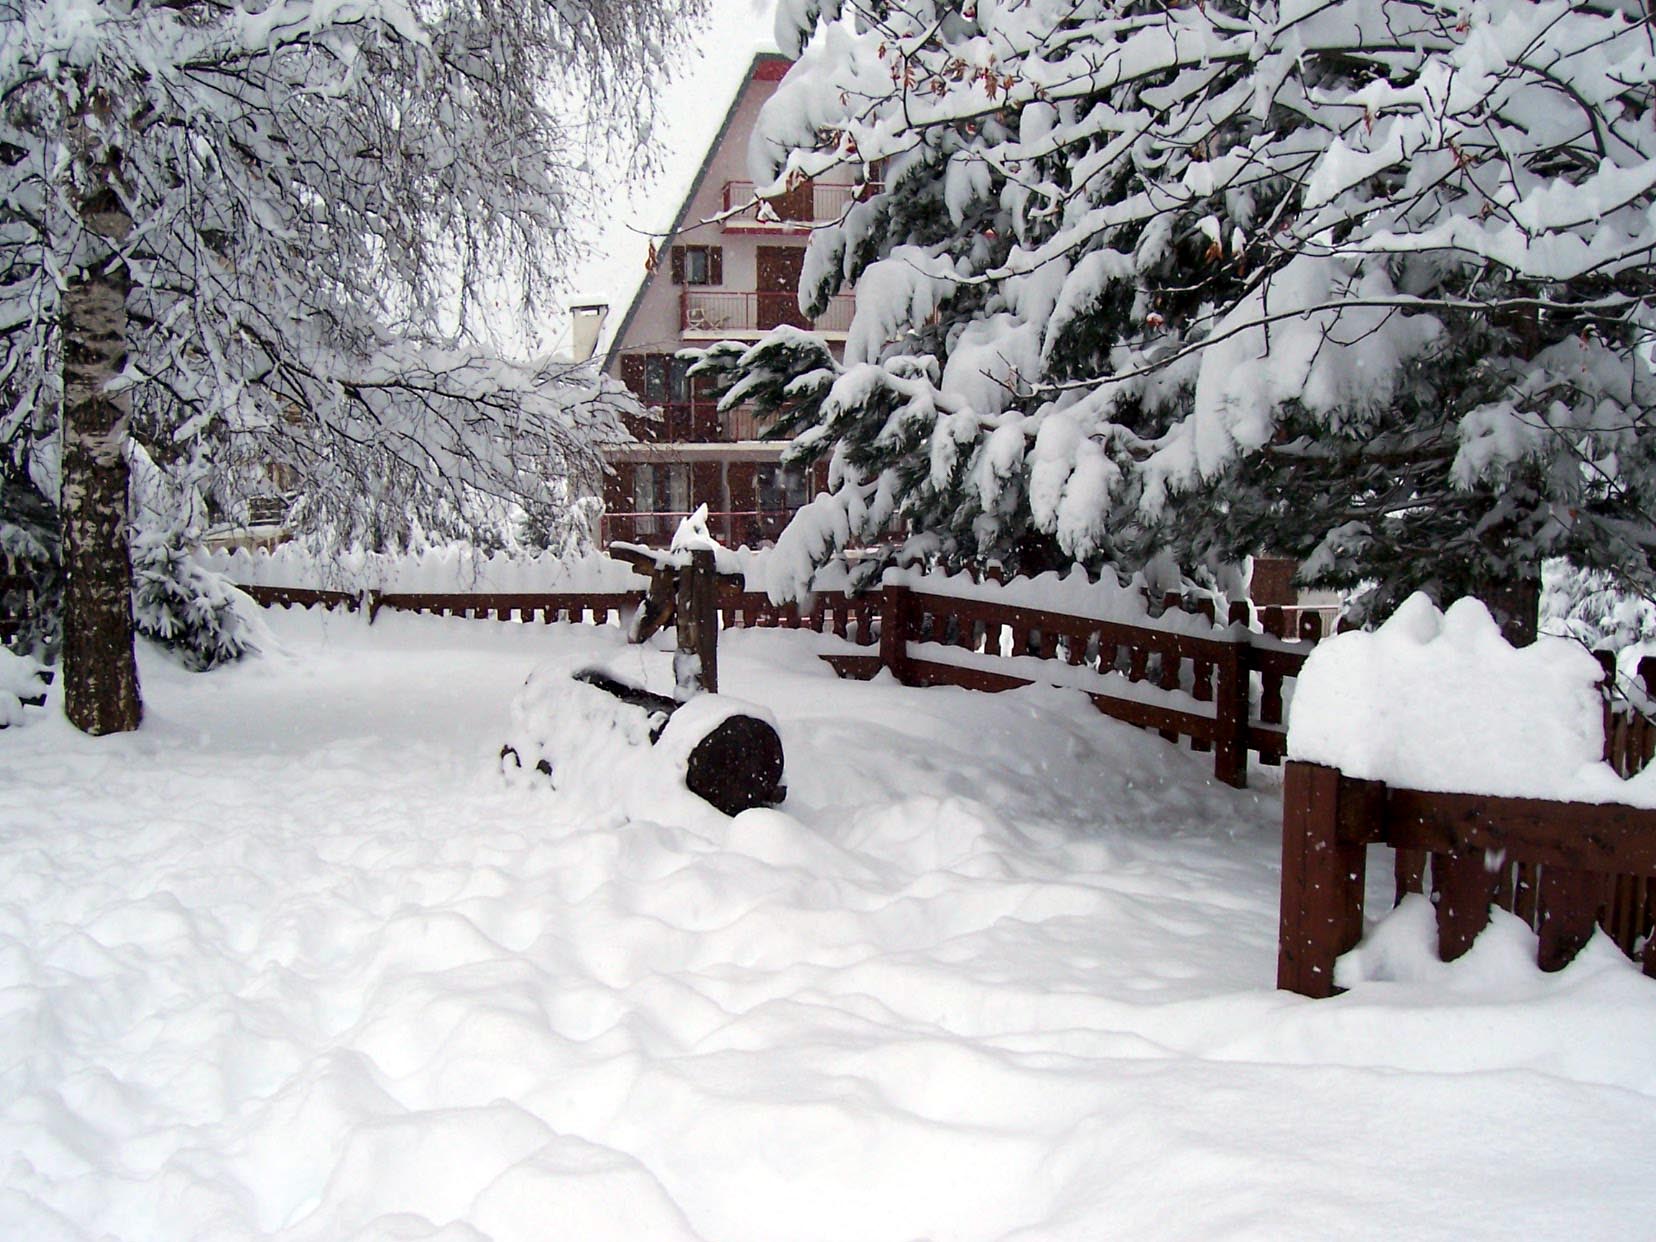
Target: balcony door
(778,286)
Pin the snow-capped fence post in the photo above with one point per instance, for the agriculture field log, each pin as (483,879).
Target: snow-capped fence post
(696,664)
(1486,768)
(1326,822)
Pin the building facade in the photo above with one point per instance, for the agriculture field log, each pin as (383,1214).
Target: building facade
(730,271)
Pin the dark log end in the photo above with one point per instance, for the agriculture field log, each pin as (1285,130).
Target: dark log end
(737,766)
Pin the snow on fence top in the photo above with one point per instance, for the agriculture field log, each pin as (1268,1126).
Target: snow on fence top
(436,570)
(460,569)
(1439,701)
(1073,594)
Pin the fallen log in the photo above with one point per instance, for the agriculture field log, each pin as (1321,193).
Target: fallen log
(596,731)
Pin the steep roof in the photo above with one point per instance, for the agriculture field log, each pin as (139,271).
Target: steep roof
(766,60)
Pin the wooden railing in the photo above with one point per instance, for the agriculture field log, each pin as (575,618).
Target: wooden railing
(732,528)
(1561,867)
(1220,688)
(711,313)
(1629,731)
(595,607)
(810,206)
(701,422)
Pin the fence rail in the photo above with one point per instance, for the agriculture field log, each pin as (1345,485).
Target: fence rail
(733,527)
(1561,867)
(1220,688)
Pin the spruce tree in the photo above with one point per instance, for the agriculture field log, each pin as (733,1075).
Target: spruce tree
(1365,282)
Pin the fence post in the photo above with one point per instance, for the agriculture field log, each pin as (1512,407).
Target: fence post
(894,631)
(1570,902)
(696,662)
(1327,820)
(1230,717)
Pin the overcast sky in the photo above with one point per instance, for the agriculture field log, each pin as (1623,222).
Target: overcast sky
(692,107)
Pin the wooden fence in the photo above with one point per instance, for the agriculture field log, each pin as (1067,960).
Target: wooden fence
(1562,867)
(1220,688)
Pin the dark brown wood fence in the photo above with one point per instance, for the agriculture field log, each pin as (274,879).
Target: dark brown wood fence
(1562,867)
(1221,688)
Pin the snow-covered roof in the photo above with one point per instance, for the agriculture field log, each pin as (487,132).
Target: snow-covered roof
(759,60)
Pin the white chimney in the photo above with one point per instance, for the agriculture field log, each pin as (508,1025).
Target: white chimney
(586,326)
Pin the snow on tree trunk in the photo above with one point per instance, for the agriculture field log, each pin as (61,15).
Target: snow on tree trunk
(100,668)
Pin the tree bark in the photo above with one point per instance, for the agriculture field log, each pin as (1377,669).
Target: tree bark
(1515,603)
(100,667)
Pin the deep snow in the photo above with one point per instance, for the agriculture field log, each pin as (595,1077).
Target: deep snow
(295,961)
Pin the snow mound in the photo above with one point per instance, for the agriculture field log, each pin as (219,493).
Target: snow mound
(1440,701)
(22,680)
(608,755)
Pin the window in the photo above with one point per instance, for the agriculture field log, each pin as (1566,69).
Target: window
(698,265)
(781,489)
(661,488)
(663,379)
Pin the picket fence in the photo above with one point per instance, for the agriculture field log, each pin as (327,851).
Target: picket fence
(1223,689)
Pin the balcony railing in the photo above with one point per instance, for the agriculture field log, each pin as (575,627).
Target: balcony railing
(797,211)
(700,422)
(714,314)
(733,529)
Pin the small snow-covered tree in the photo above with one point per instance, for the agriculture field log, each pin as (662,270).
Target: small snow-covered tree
(258,230)
(1364,281)
(1596,608)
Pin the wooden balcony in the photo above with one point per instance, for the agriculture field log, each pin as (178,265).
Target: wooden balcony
(719,314)
(700,422)
(797,212)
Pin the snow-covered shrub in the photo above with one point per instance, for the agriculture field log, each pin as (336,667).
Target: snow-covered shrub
(22,681)
(29,537)
(1596,608)
(192,611)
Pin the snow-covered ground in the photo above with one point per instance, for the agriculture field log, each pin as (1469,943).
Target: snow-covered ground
(294,961)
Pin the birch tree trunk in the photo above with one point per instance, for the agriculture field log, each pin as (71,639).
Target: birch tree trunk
(100,667)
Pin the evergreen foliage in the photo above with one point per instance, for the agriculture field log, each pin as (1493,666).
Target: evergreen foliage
(1361,281)
(191,611)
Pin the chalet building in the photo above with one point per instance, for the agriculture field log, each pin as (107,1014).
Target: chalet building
(734,278)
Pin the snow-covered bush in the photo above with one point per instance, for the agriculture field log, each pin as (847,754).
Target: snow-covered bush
(22,680)
(29,537)
(190,610)
(1600,610)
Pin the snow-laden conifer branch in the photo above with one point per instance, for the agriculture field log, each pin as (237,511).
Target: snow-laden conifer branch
(1122,255)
